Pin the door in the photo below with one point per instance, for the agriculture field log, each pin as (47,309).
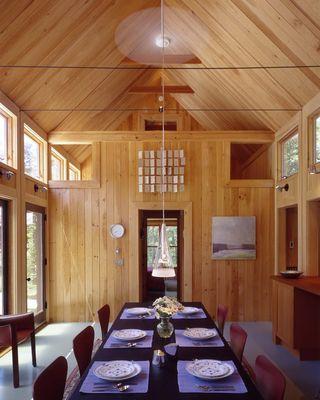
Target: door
(35,261)
(150,225)
(3,257)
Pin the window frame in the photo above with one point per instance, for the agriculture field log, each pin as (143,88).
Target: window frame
(5,296)
(27,131)
(74,169)
(11,140)
(312,156)
(63,169)
(285,139)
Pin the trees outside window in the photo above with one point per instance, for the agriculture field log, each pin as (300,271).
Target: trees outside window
(290,155)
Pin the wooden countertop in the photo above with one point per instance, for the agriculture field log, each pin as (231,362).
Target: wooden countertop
(310,284)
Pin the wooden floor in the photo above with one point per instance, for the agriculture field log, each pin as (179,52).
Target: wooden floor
(56,339)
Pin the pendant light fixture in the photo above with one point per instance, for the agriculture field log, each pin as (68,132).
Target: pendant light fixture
(162,263)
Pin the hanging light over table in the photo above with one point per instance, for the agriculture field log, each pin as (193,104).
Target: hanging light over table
(162,264)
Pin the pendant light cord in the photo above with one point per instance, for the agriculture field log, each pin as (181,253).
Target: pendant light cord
(163,133)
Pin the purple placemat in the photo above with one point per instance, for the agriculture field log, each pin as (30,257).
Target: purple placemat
(183,341)
(190,384)
(125,315)
(114,343)
(198,315)
(138,384)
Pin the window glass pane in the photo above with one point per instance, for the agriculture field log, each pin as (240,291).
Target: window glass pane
(317,140)
(172,235)
(34,222)
(31,157)
(55,168)
(153,235)
(3,139)
(74,174)
(290,155)
(174,255)
(151,252)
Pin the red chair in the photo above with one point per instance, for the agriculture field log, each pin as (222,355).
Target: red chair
(82,348)
(269,380)
(13,330)
(221,317)
(104,316)
(50,384)
(238,338)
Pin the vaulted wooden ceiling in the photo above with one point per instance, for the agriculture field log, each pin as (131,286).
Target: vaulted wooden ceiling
(223,34)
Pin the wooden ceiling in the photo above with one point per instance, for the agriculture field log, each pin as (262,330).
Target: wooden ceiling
(222,33)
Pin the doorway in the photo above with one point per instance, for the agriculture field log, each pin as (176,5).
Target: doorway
(3,257)
(35,261)
(150,225)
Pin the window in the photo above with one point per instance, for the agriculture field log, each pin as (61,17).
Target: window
(35,261)
(33,154)
(290,155)
(3,256)
(74,173)
(6,137)
(316,133)
(152,125)
(58,166)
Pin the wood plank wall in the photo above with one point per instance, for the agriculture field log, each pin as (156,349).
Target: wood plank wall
(82,252)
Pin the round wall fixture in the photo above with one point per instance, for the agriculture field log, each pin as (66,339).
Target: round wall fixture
(117,231)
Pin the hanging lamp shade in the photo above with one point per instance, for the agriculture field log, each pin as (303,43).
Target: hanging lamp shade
(162,263)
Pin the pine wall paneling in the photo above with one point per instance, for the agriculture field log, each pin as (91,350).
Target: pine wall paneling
(83,276)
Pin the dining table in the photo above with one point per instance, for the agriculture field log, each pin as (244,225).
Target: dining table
(162,380)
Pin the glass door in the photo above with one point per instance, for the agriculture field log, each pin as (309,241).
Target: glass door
(35,261)
(3,257)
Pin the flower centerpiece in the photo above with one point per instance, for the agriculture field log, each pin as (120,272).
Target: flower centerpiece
(165,307)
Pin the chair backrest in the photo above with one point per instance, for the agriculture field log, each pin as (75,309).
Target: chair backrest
(104,316)
(269,380)
(82,348)
(221,317)
(50,384)
(238,338)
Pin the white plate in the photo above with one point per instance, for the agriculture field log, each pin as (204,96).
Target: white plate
(209,370)
(138,311)
(117,370)
(199,333)
(189,310)
(129,334)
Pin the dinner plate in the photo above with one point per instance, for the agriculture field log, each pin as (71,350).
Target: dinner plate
(199,333)
(189,310)
(209,369)
(117,370)
(129,334)
(138,311)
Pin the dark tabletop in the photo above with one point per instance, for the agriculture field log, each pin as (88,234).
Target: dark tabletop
(163,381)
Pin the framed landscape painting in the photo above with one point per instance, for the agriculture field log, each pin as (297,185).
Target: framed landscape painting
(234,238)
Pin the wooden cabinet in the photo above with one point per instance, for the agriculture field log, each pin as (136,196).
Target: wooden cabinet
(296,315)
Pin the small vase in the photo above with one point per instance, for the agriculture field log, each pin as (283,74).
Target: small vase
(165,328)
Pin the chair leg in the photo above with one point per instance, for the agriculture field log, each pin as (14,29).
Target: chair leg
(33,349)
(15,365)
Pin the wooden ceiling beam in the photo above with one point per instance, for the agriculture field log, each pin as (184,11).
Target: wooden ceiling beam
(171,89)
(168,59)
(80,137)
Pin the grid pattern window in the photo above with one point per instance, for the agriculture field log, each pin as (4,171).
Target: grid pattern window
(6,137)
(290,155)
(58,166)
(317,139)
(74,173)
(33,154)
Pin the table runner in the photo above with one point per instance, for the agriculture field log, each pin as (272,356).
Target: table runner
(189,383)
(183,341)
(142,343)
(138,384)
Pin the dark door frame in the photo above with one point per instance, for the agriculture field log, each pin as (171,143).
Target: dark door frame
(41,316)
(4,205)
(144,215)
